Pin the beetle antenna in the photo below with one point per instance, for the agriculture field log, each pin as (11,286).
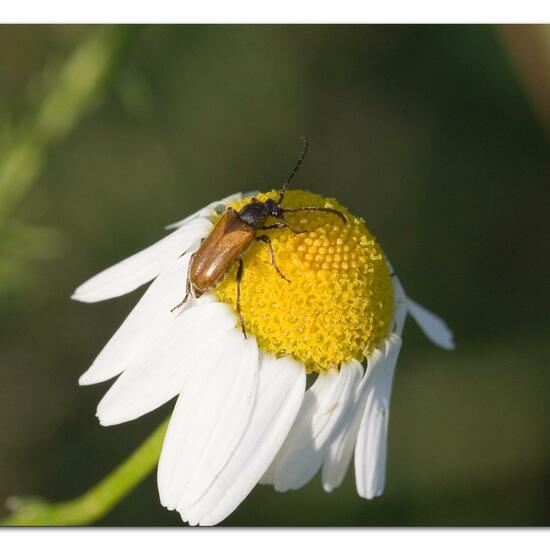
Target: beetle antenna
(294,170)
(317,209)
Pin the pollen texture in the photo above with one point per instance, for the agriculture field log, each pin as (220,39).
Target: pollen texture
(338,304)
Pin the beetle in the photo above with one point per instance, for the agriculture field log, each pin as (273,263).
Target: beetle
(234,233)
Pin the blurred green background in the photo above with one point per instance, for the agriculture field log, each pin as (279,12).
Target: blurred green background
(436,135)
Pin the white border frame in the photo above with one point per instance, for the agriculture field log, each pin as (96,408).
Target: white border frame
(279,11)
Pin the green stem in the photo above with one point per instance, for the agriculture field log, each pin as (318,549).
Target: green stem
(97,501)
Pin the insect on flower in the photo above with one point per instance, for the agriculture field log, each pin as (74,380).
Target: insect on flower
(319,300)
(232,236)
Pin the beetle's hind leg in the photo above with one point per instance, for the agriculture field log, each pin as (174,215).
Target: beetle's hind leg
(265,239)
(187,288)
(238,278)
(187,292)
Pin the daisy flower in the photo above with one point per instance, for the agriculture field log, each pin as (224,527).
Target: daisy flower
(245,413)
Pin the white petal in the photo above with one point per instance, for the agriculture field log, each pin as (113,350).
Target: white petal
(213,208)
(150,318)
(340,450)
(370,449)
(400,306)
(140,268)
(281,387)
(158,375)
(269,475)
(325,404)
(208,211)
(339,453)
(432,326)
(209,420)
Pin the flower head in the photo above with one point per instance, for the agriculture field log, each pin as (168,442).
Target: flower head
(320,300)
(339,303)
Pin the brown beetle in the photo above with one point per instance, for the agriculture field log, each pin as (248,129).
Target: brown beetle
(233,235)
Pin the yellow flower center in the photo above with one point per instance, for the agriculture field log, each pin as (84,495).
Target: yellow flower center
(338,304)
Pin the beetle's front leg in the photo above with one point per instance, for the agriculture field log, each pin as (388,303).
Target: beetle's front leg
(238,278)
(278,225)
(265,239)
(282,225)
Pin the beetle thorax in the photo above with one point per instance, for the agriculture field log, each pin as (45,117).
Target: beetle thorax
(256,213)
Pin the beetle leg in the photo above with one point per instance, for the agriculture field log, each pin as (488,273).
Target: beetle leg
(295,231)
(187,292)
(265,239)
(282,225)
(187,289)
(278,225)
(239,277)
(317,209)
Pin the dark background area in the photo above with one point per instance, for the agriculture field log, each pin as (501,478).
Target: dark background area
(428,132)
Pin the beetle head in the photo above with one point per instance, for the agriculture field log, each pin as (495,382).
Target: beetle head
(273,208)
